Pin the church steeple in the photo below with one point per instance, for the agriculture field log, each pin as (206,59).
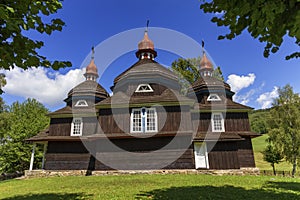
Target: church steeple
(206,67)
(146,47)
(91,72)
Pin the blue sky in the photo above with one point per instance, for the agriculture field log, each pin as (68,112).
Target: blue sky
(91,22)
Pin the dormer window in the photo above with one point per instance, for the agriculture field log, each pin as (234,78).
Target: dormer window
(144,88)
(213,97)
(81,103)
(76,127)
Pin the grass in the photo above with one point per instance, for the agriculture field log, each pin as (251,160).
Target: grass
(259,144)
(152,187)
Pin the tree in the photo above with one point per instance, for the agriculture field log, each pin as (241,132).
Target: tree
(269,20)
(189,69)
(24,120)
(217,73)
(272,156)
(258,120)
(18,17)
(284,125)
(2,83)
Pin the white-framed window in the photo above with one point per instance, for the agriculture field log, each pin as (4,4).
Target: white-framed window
(213,97)
(81,103)
(76,127)
(143,120)
(217,122)
(144,88)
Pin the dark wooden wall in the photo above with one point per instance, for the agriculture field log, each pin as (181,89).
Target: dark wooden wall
(75,155)
(67,156)
(224,155)
(62,126)
(234,122)
(245,153)
(144,161)
(170,119)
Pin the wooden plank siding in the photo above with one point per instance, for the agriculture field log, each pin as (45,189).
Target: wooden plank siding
(237,122)
(60,126)
(224,155)
(245,153)
(144,161)
(170,119)
(67,156)
(234,122)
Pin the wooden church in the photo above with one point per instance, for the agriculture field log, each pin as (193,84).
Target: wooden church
(148,123)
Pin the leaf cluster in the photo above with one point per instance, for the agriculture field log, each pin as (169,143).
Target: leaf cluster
(258,121)
(17,17)
(21,121)
(284,124)
(267,20)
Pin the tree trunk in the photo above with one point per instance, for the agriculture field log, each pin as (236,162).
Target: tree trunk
(294,166)
(273,166)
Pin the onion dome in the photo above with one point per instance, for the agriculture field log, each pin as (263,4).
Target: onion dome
(146,48)
(206,67)
(91,71)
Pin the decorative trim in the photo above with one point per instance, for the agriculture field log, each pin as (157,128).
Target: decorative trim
(81,103)
(144,88)
(213,97)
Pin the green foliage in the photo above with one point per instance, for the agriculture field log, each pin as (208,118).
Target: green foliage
(187,68)
(272,156)
(2,83)
(188,71)
(23,120)
(16,18)
(217,73)
(284,125)
(268,20)
(258,120)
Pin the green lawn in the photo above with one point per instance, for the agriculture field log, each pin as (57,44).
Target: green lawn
(152,187)
(259,144)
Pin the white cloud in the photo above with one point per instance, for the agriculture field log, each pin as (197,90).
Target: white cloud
(239,82)
(265,100)
(48,88)
(245,98)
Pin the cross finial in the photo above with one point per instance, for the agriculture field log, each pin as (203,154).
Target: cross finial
(93,52)
(202,46)
(147,25)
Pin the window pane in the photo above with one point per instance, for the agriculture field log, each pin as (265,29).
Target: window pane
(217,122)
(151,119)
(136,121)
(77,126)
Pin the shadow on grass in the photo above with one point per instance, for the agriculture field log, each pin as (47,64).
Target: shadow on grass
(290,186)
(50,196)
(210,192)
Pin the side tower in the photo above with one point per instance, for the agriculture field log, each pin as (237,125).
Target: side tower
(223,135)
(69,126)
